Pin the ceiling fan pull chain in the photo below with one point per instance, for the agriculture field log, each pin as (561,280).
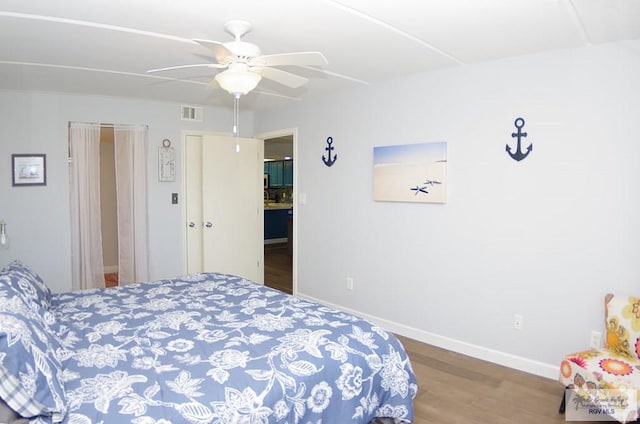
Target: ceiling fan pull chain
(236,118)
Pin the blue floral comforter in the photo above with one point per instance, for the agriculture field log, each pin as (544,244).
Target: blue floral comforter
(214,348)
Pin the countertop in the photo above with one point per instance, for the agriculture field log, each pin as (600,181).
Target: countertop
(273,206)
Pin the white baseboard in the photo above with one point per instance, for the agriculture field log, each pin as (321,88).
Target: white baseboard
(110,269)
(479,352)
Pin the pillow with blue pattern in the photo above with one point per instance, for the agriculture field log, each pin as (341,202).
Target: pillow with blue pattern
(30,372)
(29,284)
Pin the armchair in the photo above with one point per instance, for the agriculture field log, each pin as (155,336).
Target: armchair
(617,364)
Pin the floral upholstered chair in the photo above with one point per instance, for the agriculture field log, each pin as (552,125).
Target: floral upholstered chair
(617,364)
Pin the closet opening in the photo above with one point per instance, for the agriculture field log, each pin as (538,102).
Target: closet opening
(108,206)
(108,181)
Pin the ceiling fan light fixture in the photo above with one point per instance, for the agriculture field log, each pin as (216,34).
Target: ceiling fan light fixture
(238,82)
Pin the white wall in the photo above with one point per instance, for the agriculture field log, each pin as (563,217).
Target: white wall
(38,217)
(545,238)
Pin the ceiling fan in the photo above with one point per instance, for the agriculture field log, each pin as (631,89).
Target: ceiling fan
(244,64)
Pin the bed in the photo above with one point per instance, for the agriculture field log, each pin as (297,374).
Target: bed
(201,348)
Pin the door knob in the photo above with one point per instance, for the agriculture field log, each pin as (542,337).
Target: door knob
(208,224)
(192,224)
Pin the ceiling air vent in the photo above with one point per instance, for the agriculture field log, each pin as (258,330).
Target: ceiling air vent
(191,113)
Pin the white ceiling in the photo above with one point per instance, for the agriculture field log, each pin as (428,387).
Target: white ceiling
(278,148)
(105,47)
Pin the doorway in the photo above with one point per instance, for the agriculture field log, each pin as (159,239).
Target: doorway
(108,206)
(279,212)
(130,153)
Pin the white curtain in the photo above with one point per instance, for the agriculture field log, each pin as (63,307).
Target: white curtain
(87,269)
(131,148)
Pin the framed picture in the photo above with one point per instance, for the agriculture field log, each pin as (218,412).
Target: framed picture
(29,169)
(410,173)
(166,164)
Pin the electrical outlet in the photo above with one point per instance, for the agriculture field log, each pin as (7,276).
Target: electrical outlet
(349,283)
(518,321)
(596,339)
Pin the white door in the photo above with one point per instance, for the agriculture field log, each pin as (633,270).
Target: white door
(225,202)
(192,164)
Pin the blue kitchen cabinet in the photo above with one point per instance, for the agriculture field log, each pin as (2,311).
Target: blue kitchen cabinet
(275,223)
(287,173)
(280,173)
(275,174)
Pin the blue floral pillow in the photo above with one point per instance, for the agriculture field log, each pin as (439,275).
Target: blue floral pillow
(30,372)
(29,284)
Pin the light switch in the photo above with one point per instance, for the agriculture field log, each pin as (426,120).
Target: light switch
(174,198)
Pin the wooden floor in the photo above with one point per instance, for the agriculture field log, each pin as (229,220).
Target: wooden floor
(278,267)
(455,388)
(111,279)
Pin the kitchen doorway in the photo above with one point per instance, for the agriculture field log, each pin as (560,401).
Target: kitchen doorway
(279,210)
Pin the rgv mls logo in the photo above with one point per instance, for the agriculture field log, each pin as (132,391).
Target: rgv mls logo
(616,405)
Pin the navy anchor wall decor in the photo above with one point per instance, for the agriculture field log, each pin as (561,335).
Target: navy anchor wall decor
(329,160)
(519,155)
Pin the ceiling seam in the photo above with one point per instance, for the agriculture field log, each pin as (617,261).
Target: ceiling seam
(106,71)
(398,31)
(575,17)
(94,25)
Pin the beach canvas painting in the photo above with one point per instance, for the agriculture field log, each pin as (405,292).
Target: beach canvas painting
(410,173)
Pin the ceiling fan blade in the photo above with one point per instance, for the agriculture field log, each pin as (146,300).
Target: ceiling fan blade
(271,93)
(213,85)
(197,65)
(295,59)
(219,49)
(283,77)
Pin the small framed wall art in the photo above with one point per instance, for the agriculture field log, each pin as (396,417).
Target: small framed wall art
(166,162)
(29,169)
